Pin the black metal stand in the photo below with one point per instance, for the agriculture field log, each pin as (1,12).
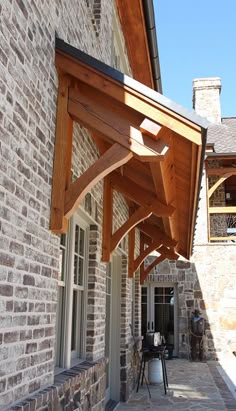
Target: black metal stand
(156,352)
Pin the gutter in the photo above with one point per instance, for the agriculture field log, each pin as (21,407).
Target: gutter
(149,16)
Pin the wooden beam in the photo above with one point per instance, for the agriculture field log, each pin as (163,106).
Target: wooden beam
(132,98)
(131,249)
(226,238)
(141,249)
(164,181)
(153,246)
(218,183)
(145,273)
(154,232)
(139,215)
(113,158)
(221,171)
(107,219)
(98,116)
(150,128)
(62,158)
(222,210)
(139,195)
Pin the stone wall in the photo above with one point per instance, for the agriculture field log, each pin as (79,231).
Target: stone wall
(29,252)
(82,387)
(208,282)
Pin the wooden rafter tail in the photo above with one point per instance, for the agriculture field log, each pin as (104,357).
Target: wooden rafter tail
(113,158)
(62,158)
(107,219)
(139,215)
(150,128)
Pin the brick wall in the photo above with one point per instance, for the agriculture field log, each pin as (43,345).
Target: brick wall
(29,253)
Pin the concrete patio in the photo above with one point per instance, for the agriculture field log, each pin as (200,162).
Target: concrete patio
(192,386)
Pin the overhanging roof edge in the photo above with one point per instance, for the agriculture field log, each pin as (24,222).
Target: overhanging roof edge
(130,82)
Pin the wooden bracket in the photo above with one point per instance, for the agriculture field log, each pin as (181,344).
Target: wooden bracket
(145,272)
(164,253)
(107,219)
(153,246)
(218,183)
(114,157)
(139,215)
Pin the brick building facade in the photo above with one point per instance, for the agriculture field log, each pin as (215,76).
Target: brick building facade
(65,338)
(30,253)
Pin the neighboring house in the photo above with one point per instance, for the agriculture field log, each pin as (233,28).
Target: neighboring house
(209,281)
(74,199)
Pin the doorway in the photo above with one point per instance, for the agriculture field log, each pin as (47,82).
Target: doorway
(159,312)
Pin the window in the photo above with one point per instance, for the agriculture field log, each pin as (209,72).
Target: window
(94,7)
(72,292)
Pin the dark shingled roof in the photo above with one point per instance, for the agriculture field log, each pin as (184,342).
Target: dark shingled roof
(223,135)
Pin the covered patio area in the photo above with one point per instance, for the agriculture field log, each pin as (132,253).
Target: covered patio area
(192,386)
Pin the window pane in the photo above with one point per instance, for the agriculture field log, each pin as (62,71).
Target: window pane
(76,263)
(74,322)
(80,271)
(61,275)
(76,238)
(63,240)
(59,326)
(159,290)
(81,242)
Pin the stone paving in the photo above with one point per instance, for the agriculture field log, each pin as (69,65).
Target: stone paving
(193,386)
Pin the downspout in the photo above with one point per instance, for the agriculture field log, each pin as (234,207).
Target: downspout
(149,16)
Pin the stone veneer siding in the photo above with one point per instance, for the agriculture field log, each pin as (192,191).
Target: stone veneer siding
(75,389)
(29,252)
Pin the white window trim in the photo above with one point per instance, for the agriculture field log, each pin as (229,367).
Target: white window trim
(68,357)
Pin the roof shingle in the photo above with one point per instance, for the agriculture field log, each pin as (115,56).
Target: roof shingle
(223,135)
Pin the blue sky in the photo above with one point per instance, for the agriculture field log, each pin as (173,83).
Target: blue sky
(197,39)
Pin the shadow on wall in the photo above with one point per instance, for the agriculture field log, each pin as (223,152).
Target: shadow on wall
(189,297)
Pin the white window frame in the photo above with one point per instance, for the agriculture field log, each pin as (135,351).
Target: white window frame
(68,357)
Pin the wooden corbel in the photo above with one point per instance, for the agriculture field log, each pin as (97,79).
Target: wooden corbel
(113,158)
(218,183)
(164,253)
(107,219)
(145,272)
(139,215)
(153,246)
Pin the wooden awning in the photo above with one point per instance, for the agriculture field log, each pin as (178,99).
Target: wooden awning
(151,152)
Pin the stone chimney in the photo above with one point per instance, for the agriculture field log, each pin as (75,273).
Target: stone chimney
(206,98)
